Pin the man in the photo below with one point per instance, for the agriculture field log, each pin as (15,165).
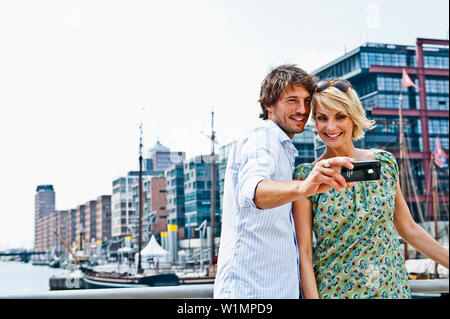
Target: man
(258,255)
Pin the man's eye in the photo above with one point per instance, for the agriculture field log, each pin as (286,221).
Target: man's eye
(292,101)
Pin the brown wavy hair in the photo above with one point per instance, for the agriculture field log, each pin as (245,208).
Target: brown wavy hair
(280,79)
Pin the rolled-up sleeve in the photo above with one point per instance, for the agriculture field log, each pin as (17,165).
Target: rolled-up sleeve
(257,159)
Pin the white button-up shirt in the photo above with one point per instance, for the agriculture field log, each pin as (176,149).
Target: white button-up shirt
(258,255)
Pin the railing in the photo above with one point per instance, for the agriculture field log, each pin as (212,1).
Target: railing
(200,291)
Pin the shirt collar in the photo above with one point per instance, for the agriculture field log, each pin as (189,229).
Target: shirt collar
(280,133)
(284,139)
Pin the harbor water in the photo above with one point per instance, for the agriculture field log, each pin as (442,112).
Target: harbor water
(18,277)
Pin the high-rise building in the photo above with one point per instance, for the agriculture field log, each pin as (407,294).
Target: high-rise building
(123,212)
(103,220)
(175,197)
(122,206)
(44,205)
(160,157)
(197,193)
(90,227)
(154,208)
(375,71)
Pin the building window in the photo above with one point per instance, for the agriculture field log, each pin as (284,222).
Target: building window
(385,59)
(436,86)
(437,103)
(435,62)
(438,126)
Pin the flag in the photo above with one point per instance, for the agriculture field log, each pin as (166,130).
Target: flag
(406,80)
(439,155)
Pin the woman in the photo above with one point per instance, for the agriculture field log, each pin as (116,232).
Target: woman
(357,252)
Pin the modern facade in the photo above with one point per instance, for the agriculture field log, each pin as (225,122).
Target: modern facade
(305,144)
(375,71)
(124,212)
(122,205)
(197,194)
(160,157)
(175,197)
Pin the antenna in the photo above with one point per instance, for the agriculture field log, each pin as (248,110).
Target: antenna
(157,131)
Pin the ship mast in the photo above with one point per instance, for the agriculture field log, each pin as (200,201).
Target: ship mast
(435,206)
(139,268)
(213,188)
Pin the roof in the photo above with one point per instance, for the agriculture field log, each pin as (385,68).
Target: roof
(153,249)
(158,147)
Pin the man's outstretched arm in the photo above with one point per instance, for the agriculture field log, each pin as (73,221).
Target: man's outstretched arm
(270,193)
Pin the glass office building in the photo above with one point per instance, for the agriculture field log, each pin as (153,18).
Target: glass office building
(197,194)
(375,71)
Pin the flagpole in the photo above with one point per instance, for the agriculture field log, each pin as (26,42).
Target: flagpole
(402,157)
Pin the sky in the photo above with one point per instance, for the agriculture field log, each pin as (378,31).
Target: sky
(78,77)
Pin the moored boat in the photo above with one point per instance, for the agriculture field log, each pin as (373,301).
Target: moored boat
(95,280)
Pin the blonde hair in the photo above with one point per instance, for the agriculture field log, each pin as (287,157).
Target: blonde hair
(345,102)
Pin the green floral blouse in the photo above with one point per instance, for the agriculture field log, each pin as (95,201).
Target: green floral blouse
(357,252)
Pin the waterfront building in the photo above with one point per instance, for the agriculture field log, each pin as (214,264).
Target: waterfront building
(160,158)
(80,226)
(60,225)
(123,212)
(175,197)
(90,227)
(71,235)
(197,194)
(375,71)
(305,144)
(103,221)
(122,207)
(158,204)
(154,208)
(44,205)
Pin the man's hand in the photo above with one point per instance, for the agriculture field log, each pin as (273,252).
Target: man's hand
(326,174)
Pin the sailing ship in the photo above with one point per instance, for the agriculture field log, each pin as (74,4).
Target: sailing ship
(419,268)
(137,276)
(115,279)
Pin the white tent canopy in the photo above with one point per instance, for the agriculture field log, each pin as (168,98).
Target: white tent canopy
(153,250)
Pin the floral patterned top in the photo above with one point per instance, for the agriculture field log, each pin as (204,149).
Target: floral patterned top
(357,252)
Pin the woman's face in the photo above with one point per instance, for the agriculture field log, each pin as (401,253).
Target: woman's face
(334,128)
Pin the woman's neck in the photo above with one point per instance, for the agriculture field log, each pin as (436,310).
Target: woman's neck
(346,150)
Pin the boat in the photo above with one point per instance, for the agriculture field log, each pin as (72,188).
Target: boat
(149,278)
(95,280)
(192,277)
(55,263)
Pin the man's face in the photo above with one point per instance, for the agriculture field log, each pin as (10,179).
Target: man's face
(291,111)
